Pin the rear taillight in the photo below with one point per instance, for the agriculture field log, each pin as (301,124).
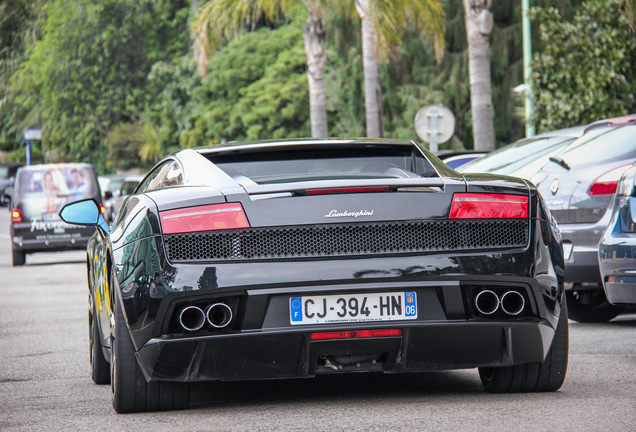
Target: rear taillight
(102,209)
(356,334)
(608,182)
(16,216)
(204,218)
(488,206)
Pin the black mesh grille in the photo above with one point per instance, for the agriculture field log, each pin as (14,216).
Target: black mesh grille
(338,240)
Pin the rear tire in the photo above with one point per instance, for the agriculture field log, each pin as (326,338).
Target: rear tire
(18,257)
(130,390)
(591,306)
(544,376)
(100,369)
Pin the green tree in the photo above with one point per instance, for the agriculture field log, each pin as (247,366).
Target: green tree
(383,22)
(87,72)
(586,70)
(256,88)
(220,20)
(17,28)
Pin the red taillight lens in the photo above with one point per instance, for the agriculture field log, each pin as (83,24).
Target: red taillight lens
(102,209)
(488,206)
(604,188)
(204,218)
(347,190)
(608,182)
(16,216)
(355,334)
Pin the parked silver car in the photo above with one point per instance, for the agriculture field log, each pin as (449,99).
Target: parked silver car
(524,157)
(578,185)
(126,188)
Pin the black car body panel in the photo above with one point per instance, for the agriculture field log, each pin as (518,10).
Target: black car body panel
(313,238)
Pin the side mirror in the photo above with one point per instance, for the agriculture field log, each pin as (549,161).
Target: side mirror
(85,212)
(108,195)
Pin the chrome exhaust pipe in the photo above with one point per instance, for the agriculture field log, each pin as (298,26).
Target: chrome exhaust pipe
(512,303)
(487,302)
(191,318)
(218,315)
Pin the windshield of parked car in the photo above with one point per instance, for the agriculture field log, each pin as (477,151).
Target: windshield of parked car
(322,163)
(515,156)
(601,145)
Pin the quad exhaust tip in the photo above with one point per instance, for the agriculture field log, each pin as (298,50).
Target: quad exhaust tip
(512,303)
(488,302)
(218,315)
(193,318)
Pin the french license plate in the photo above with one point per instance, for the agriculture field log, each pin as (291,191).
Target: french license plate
(390,306)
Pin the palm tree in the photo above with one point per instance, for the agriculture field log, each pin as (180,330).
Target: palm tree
(479,23)
(219,20)
(382,24)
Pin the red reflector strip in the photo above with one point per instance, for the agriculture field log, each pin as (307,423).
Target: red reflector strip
(356,334)
(204,218)
(488,206)
(347,190)
(603,188)
(16,216)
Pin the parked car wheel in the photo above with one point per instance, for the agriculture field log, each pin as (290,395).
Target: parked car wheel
(130,390)
(19,257)
(591,306)
(100,369)
(533,377)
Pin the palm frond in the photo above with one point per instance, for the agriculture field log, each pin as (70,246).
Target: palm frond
(220,20)
(393,16)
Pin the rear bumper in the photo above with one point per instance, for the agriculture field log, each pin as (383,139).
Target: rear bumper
(27,240)
(448,333)
(617,259)
(583,267)
(291,353)
(621,293)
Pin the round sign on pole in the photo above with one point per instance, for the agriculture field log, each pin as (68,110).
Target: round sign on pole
(435,124)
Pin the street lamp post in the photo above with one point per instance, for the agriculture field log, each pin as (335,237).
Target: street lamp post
(527,70)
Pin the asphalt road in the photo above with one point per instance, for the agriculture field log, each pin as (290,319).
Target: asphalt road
(45,381)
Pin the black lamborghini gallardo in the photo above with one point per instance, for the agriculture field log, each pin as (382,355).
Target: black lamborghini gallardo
(296,258)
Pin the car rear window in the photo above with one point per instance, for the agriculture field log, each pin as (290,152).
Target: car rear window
(43,191)
(516,155)
(324,163)
(601,145)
